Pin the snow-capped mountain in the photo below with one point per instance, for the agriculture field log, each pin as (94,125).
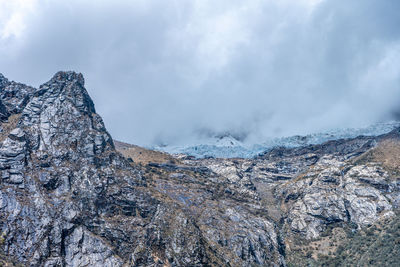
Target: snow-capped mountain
(226,146)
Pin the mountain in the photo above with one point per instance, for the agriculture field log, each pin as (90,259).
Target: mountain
(72,196)
(227,146)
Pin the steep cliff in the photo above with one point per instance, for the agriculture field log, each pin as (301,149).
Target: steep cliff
(69,198)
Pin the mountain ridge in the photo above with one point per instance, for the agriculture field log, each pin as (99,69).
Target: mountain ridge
(227,146)
(69,198)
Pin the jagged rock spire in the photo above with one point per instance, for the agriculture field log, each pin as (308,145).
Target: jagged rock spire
(3,81)
(70,85)
(69,76)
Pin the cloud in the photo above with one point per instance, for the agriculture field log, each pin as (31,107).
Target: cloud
(172,71)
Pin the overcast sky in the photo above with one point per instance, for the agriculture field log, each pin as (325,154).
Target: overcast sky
(171,71)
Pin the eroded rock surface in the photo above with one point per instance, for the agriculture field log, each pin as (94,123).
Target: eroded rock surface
(68,198)
(315,186)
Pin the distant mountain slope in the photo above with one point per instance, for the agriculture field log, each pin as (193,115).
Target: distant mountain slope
(227,146)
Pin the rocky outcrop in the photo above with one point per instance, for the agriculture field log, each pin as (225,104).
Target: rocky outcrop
(67,198)
(311,188)
(14,96)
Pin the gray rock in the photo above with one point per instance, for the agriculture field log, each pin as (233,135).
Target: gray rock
(68,198)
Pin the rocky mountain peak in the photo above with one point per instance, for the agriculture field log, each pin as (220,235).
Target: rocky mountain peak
(68,85)
(62,120)
(14,96)
(3,81)
(65,76)
(68,198)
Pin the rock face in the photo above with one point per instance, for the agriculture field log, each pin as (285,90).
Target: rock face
(308,191)
(68,198)
(316,185)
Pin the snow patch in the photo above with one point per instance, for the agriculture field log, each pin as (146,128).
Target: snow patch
(228,147)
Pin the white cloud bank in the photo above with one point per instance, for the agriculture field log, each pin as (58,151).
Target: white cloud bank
(173,70)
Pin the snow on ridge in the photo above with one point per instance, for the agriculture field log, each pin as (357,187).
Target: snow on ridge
(229,147)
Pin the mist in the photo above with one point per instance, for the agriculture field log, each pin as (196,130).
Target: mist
(176,71)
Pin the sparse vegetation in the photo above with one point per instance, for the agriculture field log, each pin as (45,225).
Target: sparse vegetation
(387,153)
(377,245)
(5,261)
(142,155)
(9,125)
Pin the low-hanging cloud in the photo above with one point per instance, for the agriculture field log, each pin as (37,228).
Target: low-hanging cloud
(172,71)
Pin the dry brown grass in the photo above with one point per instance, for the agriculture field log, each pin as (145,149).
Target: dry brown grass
(387,153)
(305,249)
(142,155)
(9,125)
